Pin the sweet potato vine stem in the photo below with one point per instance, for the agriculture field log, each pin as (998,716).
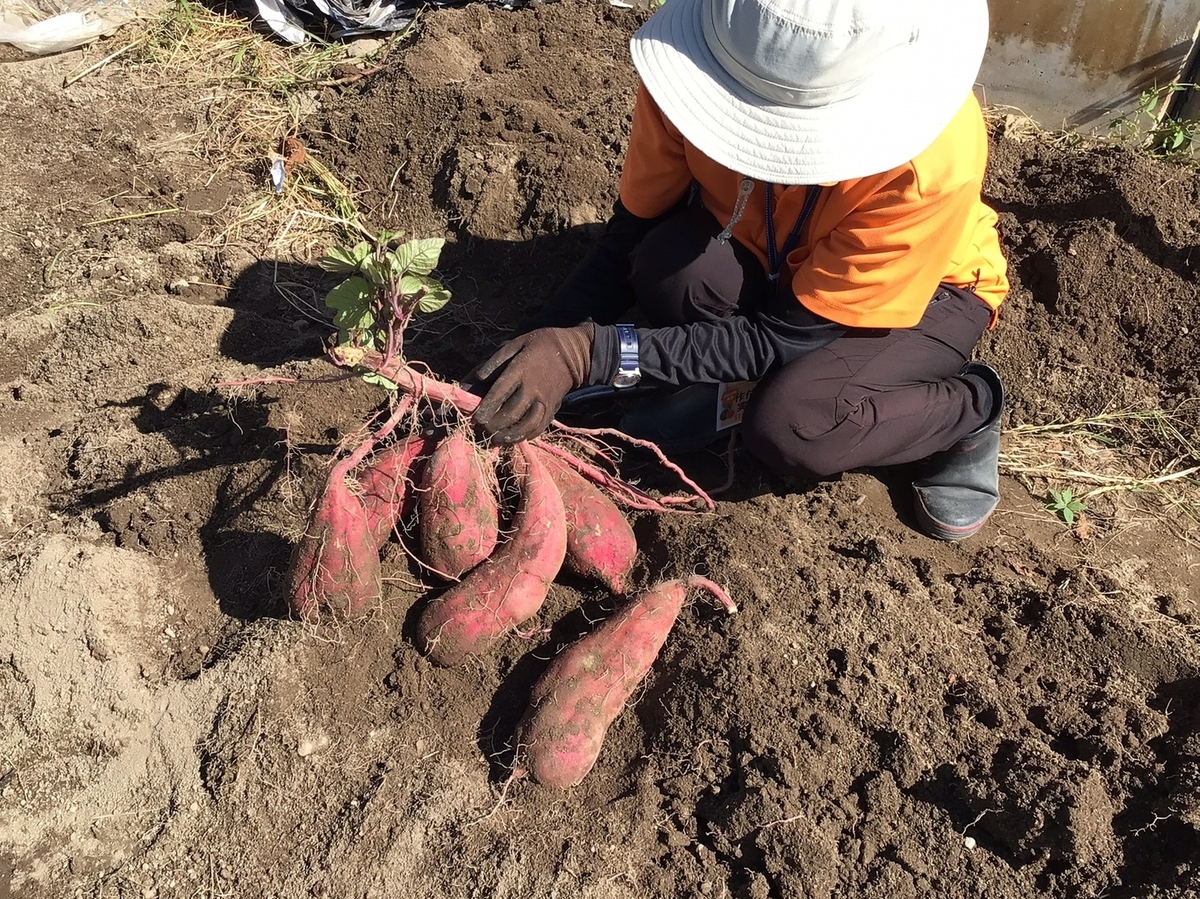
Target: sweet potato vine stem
(408,379)
(412,382)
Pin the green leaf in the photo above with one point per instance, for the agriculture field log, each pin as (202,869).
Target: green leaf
(343,261)
(431,295)
(1147,101)
(420,256)
(351,302)
(393,267)
(434,300)
(412,285)
(376,270)
(385,237)
(372,377)
(1064,504)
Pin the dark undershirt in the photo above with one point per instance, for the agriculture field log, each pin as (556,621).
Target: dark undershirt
(739,348)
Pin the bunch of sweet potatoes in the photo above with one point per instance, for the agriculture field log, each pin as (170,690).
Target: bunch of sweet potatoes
(497,579)
(491,529)
(495,527)
(499,558)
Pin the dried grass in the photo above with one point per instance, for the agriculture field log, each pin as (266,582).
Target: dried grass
(256,92)
(1017,125)
(1149,459)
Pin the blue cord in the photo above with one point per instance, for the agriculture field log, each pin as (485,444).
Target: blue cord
(773,253)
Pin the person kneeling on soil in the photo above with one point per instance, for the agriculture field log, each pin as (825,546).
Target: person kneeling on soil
(799,206)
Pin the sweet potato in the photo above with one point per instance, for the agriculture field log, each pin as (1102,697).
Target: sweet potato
(335,565)
(600,542)
(386,487)
(587,685)
(458,514)
(512,583)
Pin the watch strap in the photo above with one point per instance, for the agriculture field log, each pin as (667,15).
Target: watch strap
(628,365)
(627,348)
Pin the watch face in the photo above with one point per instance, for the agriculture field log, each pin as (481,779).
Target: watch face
(626,378)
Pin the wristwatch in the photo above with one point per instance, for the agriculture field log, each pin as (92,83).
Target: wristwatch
(628,372)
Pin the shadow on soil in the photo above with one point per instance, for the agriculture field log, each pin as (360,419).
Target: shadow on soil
(280,317)
(1104,201)
(233,453)
(215,439)
(1160,847)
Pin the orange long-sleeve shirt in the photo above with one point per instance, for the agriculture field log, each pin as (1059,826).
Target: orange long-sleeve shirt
(875,248)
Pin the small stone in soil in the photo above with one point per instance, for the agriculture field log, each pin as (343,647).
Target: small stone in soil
(309,747)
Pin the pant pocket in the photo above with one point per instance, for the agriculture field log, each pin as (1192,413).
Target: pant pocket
(957,319)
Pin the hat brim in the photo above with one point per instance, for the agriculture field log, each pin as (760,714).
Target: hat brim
(896,113)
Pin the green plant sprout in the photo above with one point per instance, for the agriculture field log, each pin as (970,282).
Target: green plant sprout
(1166,137)
(387,283)
(1065,505)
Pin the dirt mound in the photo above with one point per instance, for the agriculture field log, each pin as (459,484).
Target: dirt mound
(1103,248)
(887,716)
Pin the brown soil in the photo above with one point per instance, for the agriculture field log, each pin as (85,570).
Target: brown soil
(1015,716)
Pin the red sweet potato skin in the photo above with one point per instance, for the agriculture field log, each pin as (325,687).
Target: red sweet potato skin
(511,584)
(387,494)
(335,564)
(457,509)
(587,685)
(600,542)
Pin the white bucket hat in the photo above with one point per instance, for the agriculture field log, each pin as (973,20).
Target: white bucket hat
(811,91)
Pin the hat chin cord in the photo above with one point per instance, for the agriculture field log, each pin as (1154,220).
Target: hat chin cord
(739,208)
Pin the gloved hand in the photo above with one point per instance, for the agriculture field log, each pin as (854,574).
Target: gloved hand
(536,370)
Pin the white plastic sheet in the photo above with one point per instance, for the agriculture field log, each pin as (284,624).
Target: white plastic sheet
(35,30)
(282,20)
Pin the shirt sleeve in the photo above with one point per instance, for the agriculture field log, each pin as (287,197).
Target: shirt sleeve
(655,175)
(741,348)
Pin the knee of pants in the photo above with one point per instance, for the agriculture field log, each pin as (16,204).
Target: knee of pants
(659,282)
(660,306)
(681,273)
(773,440)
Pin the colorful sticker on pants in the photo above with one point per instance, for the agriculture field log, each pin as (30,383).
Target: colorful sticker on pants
(731,403)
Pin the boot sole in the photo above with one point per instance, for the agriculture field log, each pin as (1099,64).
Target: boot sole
(941,530)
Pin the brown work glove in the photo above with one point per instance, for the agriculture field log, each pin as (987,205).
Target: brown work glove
(527,378)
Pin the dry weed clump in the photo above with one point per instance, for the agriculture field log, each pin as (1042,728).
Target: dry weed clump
(256,92)
(1141,461)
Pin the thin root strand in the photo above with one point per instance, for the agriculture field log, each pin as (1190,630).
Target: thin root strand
(697,582)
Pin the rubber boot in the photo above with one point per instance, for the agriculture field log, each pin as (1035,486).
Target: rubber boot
(961,486)
(681,422)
